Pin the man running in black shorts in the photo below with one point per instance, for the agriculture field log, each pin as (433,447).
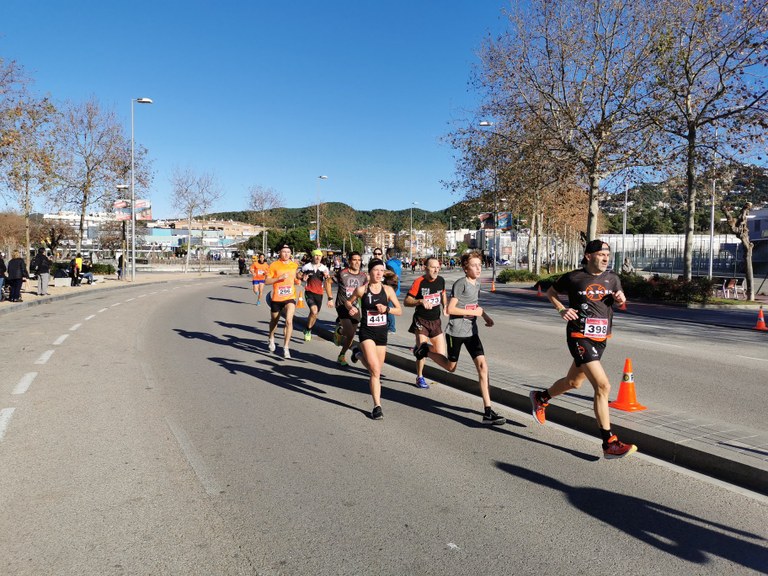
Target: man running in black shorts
(347,281)
(427,295)
(592,291)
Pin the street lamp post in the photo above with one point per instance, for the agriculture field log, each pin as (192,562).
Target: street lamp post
(410,238)
(487,124)
(133,191)
(453,237)
(317,219)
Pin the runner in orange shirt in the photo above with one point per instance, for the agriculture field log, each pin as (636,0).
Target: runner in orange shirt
(259,270)
(282,277)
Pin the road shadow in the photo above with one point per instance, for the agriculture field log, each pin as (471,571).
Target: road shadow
(306,370)
(673,531)
(229,300)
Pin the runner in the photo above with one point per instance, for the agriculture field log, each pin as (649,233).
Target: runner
(318,278)
(462,330)
(347,281)
(372,300)
(427,294)
(591,290)
(282,277)
(259,269)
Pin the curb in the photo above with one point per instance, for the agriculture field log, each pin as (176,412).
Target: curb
(686,453)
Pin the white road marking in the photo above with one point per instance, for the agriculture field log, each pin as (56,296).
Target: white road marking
(60,339)
(195,460)
(115,304)
(75,327)
(665,344)
(5,418)
(142,296)
(91,316)
(103,310)
(23,385)
(130,299)
(752,358)
(44,357)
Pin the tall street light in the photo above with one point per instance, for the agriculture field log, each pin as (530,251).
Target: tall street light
(410,238)
(317,220)
(133,191)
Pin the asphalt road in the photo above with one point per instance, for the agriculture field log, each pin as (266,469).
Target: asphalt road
(161,437)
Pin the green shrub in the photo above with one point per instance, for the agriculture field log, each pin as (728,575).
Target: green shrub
(512,275)
(103,269)
(665,289)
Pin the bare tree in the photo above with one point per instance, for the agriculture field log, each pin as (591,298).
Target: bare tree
(738,225)
(574,68)
(194,194)
(708,72)
(29,163)
(12,82)
(94,158)
(261,202)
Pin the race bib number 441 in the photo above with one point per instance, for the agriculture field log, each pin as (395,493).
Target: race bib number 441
(376,319)
(596,327)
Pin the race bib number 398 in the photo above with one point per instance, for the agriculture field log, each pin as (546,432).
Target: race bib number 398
(596,327)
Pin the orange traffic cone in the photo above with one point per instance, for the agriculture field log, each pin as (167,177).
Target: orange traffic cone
(761,321)
(627,400)
(493,285)
(300,303)
(539,293)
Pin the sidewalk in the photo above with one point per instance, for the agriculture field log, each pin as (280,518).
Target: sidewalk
(733,454)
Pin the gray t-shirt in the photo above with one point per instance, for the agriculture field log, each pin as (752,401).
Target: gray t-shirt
(466,293)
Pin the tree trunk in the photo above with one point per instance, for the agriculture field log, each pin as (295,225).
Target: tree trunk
(189,242)
(690,204)
(594,207)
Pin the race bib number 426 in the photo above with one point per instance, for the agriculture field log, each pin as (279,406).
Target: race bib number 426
(596,327)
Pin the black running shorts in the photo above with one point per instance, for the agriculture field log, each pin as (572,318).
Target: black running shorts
(472,343)
(585,350)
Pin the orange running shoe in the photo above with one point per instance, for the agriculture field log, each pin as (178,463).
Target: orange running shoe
(538,407)
(617,449)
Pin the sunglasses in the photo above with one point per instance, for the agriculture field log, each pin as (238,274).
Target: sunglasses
(377,253)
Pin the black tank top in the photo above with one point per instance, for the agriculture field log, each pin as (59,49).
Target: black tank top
(371,317)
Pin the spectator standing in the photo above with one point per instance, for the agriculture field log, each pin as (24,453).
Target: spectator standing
(17,274)
(41,265)
(120,267)
(392,278)
(3,269)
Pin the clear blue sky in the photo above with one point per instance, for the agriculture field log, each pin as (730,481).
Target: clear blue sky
(273,93)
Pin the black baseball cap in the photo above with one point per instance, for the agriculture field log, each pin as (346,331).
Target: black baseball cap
(284,246)
(596,246)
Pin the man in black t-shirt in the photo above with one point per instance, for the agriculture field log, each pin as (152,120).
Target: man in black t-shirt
(427,295)
(592,291)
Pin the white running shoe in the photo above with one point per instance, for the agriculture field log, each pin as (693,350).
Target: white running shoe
(271,345)
(286,354)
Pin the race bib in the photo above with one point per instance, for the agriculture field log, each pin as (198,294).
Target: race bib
(284,290)
(349,290)
(596,327)
(376,319)
(470,307)
(261,272)
(433,299)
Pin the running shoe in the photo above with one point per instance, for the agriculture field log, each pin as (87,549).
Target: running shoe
(271,345)
(376,413)
(538,407)
(421,383)
(258,302)
(421,351)
(337,336)
(342,362)
(355,355)
(617,449)
(493,419)
(307,336)
(286,354)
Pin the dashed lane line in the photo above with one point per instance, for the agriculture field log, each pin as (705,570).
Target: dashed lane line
(5,418)
(90,317)
(60,339)
(44,357)
(75,327)
(23,385)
